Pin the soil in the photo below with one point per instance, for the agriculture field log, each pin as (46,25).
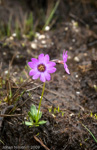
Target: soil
(75,95)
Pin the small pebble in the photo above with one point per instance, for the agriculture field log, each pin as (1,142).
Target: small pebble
(11,38)
(73,40)
(24,36)
(71,115)
(47,28)
(76,75)
(77,92)
(37,34)
(33,45)
(66,28)
(43,42)
(17,56)
(6,72)
(4,53)
(63,76)
(69,57)
(42,36)
(76,59)
(14,34)
(85,54)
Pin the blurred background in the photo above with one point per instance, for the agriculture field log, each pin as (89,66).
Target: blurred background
(28,16)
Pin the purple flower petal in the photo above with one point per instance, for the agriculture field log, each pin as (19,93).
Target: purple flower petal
(41,57)
(30,64)
(32,72)
(33,63)
(46,58)
(36,76)
(51,64)
(66,68)
(34,60)
(42,77)
(51,70)
(47,76)
(65,56)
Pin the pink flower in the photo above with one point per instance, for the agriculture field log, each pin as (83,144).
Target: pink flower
(41,67)
(65,56)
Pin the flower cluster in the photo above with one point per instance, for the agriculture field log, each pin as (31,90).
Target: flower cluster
(43,67)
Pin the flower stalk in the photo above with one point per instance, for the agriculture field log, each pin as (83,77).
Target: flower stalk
(40,101)
(41,68)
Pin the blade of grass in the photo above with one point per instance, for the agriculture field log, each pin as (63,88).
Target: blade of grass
(51,15)
(90,132)
(14,108)
(2,142)
(9,26)
(18,30)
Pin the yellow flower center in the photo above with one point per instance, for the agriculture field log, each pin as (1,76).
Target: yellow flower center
(41,67)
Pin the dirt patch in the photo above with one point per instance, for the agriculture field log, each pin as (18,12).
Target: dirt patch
(74,94)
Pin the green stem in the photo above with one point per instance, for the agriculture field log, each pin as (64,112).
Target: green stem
(40,101)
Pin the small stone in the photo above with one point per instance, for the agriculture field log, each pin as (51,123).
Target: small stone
(73,40)
(24,36)
(76,59)
(17,56)
(47,28)
(4,53)
(14,34)
(37,34)
(66,28)
(33,45)
(69,57)
(77,92)
(42,36)
(63,76)
(6,72)
(11,38)
(43,42)
(71,115)
(76,75)
(85,54)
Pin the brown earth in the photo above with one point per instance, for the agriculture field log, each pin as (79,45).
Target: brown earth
(74,94)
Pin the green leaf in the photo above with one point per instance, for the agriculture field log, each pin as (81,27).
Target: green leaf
(27,123)
(42,122)
(31,117)
(33,110)
(40,115)
(33,113)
